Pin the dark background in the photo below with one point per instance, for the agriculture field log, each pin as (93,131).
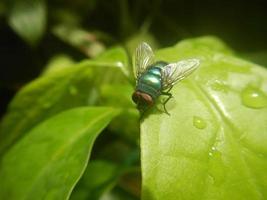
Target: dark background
(241,24)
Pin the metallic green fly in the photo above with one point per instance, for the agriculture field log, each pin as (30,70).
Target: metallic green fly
(156,78)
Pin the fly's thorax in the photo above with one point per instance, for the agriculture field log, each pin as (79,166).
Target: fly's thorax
(160,64)
(150,82)
(154,71)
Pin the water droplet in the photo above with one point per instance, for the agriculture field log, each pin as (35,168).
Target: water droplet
(253,98)
(219,86)
(73,90)
(119,64)
(216,166)
(199,123)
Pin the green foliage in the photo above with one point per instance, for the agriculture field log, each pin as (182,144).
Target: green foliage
(210,147)
(98,178)
(213,144)
(63,86)
(43,98)
(63,89)
(50,159)
(28,19)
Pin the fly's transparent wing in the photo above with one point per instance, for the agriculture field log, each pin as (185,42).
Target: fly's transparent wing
(174,72)
(143,57)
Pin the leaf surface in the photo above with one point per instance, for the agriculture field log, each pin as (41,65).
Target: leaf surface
(49,160)
(59,90)
(214,143)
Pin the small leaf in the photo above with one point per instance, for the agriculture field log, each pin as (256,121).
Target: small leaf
(117,95)
(87,42)
(99,177)
(60,90)
(43,98)
(126,124)
(49,160)
(214,143)
(115,57)
(28,19)
(57,63)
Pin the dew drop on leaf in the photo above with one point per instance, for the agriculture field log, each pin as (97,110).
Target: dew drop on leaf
(216,169)
(253,98)
(219,86)
(199,123)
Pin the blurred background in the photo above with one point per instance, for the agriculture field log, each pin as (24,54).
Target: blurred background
(38,34)
(32,32)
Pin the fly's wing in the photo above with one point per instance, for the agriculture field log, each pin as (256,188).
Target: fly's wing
(174,72)
(142,59)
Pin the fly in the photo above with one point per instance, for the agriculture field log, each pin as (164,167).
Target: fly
(154,79)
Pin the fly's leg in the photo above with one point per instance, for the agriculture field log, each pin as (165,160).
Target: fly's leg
(167,93)
(169,89)
(166,101)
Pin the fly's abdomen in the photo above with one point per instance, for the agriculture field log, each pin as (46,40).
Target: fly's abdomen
(150,82)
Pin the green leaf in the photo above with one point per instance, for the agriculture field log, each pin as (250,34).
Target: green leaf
(57,63)
(115,57)
(43,98)
(99,177)
(59,90)
(214,143)
(87,42)
(126,124)
(28,19)
(117,95)
(205,45)
(49,160)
